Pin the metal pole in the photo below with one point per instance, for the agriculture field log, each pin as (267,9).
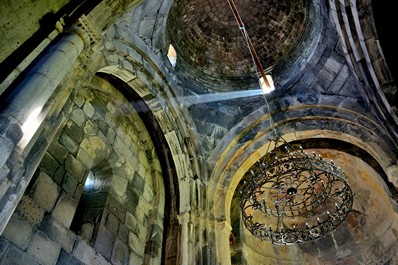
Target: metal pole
(248,41)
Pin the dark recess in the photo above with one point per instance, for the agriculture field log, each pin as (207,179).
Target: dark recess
(386,20)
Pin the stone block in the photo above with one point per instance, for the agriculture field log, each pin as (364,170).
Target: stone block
(121,47)
(4,244)
(131,222)
(119,186)
(123,233)
(340,80)
(104,241)
(132,199)
(56,231)
(120,253)
(65,209)
(142,230)
(120,145)
(90,128)
(68,143)
(88,109)
(44,249)
(333,65)
(58,151)
(112,223)
(148,193)
(4,185)
(49,164)
(86,160)
(109,45)
(75,168)
(13,255)
(143,210)
(135,258)
(143,159)
(78,116)
(30,210)
(79,100)
(83,252)
(45,192)
(111,135)
(114,206)
(4,123)
(142,171)
(69,184)
(19,232)
(155,160)
(74,131)
(136,244)
(95,147)
(66,258)
(134,159)
(14,132)
(78,192)
(59,175)
(128,66)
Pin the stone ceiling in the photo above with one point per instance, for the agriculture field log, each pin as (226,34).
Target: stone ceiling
(210,45)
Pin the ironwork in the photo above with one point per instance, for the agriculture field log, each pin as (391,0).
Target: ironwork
(292,197)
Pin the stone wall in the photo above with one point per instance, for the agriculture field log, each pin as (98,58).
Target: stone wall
(14,21)
(97,138)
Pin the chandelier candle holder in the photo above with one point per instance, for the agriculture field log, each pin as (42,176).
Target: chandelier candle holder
(292,197)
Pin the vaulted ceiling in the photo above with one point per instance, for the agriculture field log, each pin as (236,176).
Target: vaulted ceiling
(334,93)
(210,44)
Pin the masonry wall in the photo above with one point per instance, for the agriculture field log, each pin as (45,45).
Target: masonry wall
(104,137)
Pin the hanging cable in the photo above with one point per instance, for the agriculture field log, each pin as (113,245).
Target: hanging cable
(290,197)
(256,60)
(250,45)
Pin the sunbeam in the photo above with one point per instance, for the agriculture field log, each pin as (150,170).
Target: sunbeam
(206,98)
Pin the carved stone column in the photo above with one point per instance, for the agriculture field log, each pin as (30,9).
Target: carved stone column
(184,240)
(223,230)
(21,116)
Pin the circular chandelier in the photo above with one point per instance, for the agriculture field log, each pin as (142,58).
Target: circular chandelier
(292,197)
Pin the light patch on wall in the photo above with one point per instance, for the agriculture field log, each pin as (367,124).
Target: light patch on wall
(31,122)
(29,127)
(266,87)
(90,182)
(94,184)
(172,55)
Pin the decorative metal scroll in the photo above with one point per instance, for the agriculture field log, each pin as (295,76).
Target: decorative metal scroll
(291,197)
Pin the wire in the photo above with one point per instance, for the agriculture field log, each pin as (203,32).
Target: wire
(256,61)
(248,42)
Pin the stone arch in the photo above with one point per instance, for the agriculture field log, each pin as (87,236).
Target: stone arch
(249,140)
(96,187)
(119,153)
(131,64)
(166,164)
(102,137)
(241,157)
(225,216)
(373,214)
(130,59)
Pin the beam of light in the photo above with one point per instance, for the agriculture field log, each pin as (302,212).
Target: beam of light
(206,98)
